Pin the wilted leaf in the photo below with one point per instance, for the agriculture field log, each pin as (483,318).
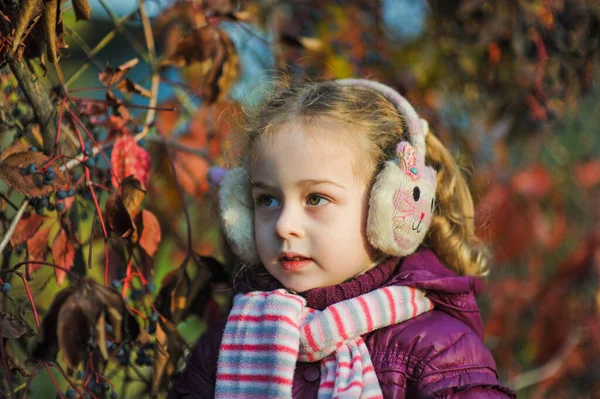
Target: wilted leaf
(63,254)
(111,76)
(196,46)
(150,232)
(101,335)
(133,194)
(128,86)
(28,11)
(180,289)
(13,170)
(82,10)
(13,328)
(129,158)
(76,311)
(117,216)
(17,146)
(50,16)
(26,228)
(117,106)
(169,347)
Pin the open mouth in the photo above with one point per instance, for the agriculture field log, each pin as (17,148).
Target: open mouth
(418,227)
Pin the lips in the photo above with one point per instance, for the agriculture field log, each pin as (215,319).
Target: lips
(291,261)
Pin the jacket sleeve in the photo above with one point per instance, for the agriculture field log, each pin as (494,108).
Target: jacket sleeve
(465,369)
(200,374)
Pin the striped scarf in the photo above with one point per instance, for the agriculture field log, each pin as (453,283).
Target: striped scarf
(268,332)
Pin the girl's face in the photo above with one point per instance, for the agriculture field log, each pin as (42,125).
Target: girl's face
(310,207)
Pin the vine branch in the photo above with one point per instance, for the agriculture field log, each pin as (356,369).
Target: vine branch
(38,98)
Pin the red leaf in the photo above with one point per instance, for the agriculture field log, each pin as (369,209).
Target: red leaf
(128,158)
(534,182)
(588,174)
(26,228)
(63,254)
(151,235)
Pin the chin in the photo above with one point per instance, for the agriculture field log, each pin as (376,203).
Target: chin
(297,286)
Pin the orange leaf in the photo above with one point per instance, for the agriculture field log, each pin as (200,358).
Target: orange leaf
(37,247)
(63,254)
(26,228)
(128,158)
(151,235)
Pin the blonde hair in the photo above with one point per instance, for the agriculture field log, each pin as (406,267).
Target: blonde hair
(370,115)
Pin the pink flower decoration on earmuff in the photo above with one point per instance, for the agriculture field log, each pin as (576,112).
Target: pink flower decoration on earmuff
(407,158)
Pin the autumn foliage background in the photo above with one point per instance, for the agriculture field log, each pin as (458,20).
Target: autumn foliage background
(108,128)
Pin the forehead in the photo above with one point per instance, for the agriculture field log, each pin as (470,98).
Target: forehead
(307,151)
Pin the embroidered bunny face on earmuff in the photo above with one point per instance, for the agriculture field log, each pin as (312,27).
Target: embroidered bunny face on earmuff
(401,202)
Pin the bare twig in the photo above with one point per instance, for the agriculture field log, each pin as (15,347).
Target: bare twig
(549,369)
(152,61)
(13,225)
(105,40)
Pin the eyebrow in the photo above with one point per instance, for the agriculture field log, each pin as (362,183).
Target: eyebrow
(300,183)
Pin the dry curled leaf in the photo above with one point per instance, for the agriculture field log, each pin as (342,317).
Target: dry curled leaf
(133,193)
(118,218)
(129,86)
(169,347)
(82,9)
(13,170)
(31,37)
(119,109)
(12,327)
(49,23)
(196,46)
(111,76)
(76,315)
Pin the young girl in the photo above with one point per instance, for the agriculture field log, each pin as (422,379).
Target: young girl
(355,231)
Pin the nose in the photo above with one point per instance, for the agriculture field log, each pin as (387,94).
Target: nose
(289,223)
(422,215)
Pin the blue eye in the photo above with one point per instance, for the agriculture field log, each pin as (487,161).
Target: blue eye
(266,201)
(316,200)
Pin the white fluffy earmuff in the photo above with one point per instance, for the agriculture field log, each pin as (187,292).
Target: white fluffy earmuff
(401,203)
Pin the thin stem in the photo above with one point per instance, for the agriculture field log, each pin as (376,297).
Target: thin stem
(152,61)
(56,386)
(13,225)
(35,314)
(103,43)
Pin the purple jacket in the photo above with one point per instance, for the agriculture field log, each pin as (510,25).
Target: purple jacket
(438,354)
